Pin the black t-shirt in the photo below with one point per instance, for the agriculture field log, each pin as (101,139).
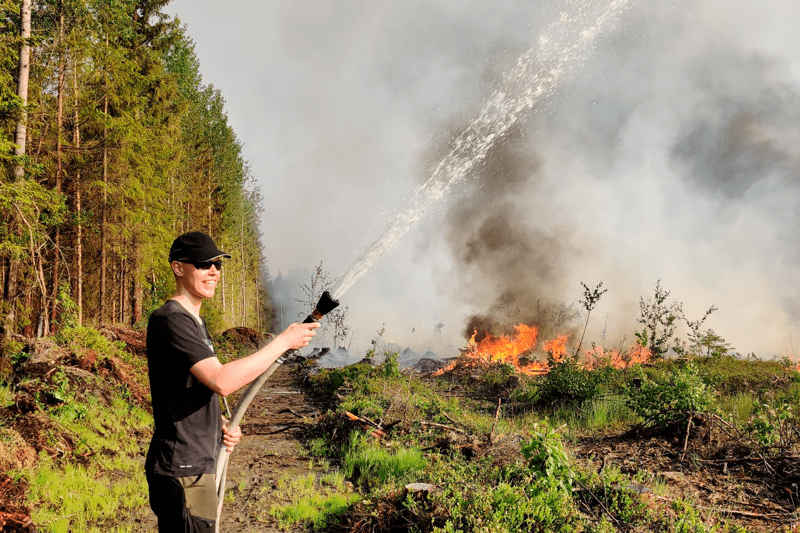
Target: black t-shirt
(187,432)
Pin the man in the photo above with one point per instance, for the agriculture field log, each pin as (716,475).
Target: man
(186,379)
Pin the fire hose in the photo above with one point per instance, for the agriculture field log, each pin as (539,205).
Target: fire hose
(325,305)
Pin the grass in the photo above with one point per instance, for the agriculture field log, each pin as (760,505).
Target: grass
(740,407)
(94,480)
(75,498)
(313,501)
(367,460)
(500,491)
(6,395)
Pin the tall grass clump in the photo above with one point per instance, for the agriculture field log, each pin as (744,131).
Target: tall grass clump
(317,503)
(366,460)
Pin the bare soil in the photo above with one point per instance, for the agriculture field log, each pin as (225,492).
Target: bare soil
(270,448)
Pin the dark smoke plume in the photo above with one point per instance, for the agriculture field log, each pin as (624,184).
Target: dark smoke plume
(506,263)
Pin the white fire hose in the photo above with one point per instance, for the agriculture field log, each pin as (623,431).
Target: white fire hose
(236,418)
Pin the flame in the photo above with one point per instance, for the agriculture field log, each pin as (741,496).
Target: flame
(509,348)
(557,348)
(598,357)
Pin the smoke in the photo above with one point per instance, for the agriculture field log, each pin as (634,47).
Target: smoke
(505,258)
(745,129)
(671,154)
(713,131)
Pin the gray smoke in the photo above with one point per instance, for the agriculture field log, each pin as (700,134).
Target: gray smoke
(508,263)
(672,154)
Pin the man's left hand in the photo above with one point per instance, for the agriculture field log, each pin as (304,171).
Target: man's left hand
(230,437)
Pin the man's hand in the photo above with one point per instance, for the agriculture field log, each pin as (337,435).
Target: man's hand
(230,438)
(298,336)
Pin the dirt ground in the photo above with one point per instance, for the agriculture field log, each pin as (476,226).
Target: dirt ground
(270,448)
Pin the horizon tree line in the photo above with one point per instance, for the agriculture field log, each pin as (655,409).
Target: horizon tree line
(111,146)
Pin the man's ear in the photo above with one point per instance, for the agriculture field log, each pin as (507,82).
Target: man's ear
(177,268)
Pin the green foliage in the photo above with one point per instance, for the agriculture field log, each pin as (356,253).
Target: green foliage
(317,504)
(618,495)
(365,460)
(477,498)
(689,520)
(660,321)
(731,375)
(81,339)
(157,157)
(75,497)
(330,380)
(390,367)
(548,459)
(568,383)
(771,425)
(81,495)
(669,399)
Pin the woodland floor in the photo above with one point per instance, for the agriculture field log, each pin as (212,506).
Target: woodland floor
(713,466)
(270,448)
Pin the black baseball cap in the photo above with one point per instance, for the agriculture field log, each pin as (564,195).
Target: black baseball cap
(195,246)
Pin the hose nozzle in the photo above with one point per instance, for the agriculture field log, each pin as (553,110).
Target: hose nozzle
(325,305)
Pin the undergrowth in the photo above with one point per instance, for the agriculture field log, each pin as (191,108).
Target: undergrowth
(510,468)
(87,476)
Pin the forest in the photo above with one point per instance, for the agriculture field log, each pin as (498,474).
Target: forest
(110,147)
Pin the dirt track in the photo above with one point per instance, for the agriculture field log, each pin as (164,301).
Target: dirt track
(270,448)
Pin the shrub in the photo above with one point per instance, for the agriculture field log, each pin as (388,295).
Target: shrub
(568,383)
(670,399)
(548,460)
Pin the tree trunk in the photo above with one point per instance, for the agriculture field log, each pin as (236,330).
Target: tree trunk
(22,86)
(76,140)
(62,67)
(11,287)
(136,285)
(104,209)
(244,284)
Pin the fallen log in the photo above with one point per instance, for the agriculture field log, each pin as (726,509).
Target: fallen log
(441,426)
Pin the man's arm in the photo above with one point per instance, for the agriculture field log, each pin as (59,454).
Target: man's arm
(227,378)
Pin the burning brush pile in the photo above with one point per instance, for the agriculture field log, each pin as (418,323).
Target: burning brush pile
(520,351)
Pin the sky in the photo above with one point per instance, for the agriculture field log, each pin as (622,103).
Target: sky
(668,153)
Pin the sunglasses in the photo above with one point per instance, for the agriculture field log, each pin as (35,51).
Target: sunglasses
(205,265)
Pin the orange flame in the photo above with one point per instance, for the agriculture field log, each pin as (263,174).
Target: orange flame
(557,348)
(598,357)
(509,348)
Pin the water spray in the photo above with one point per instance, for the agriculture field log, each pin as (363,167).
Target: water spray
(534,80)
(325,305)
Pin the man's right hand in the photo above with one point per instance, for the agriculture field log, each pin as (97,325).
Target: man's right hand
(298,336)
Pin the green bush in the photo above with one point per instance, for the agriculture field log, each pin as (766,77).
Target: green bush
(669,399)
(330,380)
(473,498)
(772,425)
(568,383)
(390,367)
(548,460)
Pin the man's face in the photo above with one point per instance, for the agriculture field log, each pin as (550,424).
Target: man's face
(200,283)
